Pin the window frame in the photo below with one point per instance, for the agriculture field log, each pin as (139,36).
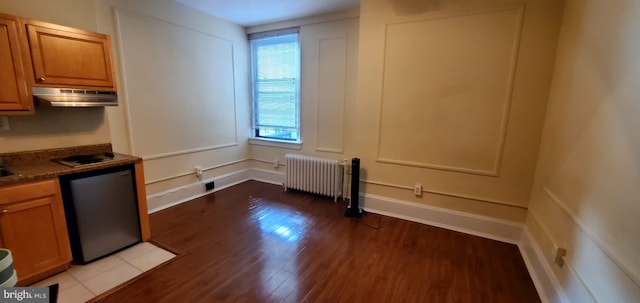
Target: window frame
(254,42)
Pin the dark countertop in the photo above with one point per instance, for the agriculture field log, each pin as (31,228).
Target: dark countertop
(37,165)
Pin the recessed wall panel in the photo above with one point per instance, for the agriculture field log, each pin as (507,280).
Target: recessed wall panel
(180,87)
(446,90)
(332,70)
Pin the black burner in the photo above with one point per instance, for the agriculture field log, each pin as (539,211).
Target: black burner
(83,158)
(79,160)
(89,161)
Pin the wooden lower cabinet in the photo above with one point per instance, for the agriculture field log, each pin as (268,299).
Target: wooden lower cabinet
(33,227)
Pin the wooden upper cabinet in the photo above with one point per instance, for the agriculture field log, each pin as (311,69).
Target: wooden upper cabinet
(15,94)
(68,57)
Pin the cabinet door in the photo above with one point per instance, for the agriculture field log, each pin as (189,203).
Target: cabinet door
(69,57)
(14,92)
(35,229)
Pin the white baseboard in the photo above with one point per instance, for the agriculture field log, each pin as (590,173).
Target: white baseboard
(496,229)
(543,278)
(549,287)
(486,227)
(267,176)
(589,273)
(179,195)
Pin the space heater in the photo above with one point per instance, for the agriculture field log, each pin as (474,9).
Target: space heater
(353,209)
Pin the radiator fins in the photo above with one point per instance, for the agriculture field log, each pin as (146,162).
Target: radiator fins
(314,175)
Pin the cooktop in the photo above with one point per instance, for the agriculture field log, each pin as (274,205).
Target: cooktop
(82,160)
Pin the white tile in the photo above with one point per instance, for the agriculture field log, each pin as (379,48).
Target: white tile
(63,279)
(75,294)
(136,251)
(151,259)
(111,278)
(85,272)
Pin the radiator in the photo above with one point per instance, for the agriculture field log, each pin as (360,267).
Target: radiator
(314,175)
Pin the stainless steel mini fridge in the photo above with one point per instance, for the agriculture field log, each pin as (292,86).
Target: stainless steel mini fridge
(102,212)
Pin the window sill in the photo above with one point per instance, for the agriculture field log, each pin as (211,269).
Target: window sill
(276,143)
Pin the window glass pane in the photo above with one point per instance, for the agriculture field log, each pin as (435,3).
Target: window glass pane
(275,86)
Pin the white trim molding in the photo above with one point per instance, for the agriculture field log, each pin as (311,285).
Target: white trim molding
(276,143)
(483,226)
(341,113)
(494,171)
(602,243)
(477,225)
(590,272)
(486,227)
(179,195)
(546,284)
(267,176)
(445,193)
(118,13)
(188,151)
(163,200)
(192,173)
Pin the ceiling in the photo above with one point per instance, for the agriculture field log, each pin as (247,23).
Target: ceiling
(256,12)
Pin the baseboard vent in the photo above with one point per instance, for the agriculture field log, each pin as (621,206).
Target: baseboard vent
(209,185)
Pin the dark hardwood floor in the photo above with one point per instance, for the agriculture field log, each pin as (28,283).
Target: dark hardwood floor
(255,243)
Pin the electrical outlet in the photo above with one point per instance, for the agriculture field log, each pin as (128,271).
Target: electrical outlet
(199,173)
(4,123)
(417,189)
(558,254)
(209,185)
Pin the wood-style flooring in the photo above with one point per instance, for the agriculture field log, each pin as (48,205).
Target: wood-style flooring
(255,243)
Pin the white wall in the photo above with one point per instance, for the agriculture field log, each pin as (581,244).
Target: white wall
(450,95)
(395,88)
(328,84)
(75,13)
(391,87)
(55,127)
(361,78)
(586,195)
(183,86)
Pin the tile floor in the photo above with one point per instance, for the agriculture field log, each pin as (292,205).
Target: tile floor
(84,282)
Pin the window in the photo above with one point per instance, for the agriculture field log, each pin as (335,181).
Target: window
(275,67)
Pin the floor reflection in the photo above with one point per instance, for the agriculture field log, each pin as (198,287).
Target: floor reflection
(279,220)
(282,231)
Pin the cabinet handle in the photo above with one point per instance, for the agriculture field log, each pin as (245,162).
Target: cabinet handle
(41,79)
(4,211)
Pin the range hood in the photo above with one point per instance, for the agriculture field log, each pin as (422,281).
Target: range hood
(71,97)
